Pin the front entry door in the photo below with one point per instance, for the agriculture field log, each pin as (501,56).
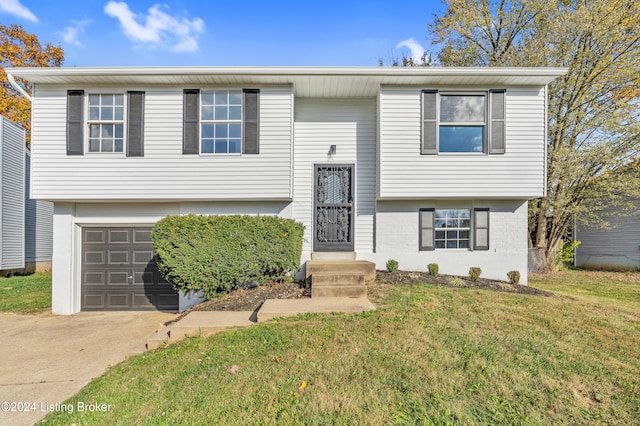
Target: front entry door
(333,205)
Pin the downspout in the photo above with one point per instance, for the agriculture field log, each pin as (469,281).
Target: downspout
(16,86)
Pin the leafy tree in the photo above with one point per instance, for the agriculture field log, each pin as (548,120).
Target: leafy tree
(594,129)
(21,49)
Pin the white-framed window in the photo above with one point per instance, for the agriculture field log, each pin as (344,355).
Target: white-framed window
(221,122)
(106,122)
(452,228)
(462,122)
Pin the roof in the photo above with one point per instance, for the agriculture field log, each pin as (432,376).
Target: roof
(307,81)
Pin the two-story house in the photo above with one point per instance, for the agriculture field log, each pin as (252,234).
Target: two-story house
(420,165)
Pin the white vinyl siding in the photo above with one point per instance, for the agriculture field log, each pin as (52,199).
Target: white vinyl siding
(12,185)
(164,173)
(349,124)
(405,174)
(38,238)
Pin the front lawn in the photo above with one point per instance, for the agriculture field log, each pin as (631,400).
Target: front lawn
(26,294)
(428,355)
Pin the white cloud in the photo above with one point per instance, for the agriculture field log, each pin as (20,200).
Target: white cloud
(13,7)
(416,50)
(159,29)
(71,32)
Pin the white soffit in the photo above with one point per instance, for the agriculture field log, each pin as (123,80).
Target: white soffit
(307,81)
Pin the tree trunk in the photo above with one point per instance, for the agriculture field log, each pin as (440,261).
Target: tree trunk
(541,239)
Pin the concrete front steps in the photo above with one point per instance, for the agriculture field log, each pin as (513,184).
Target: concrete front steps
(338,284)
(341,277)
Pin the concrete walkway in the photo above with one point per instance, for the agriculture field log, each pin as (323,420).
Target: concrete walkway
(205,323)
(46,359)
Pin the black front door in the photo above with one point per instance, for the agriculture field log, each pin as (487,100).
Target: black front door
(333,205)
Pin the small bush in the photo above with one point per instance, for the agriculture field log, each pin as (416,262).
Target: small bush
(215,254)
(392,265)
(456,282)
(514,277)
(433,269)
(566,255)
(474,273)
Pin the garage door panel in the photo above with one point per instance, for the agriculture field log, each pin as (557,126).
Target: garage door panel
(94,236)
(143,257)
(93,301)
(93,278)
(94,257)
(142,301)
(147,278)
(119,235)
(117,278)
(142,236)
(165,301)
(119,257)
(119,300)
(119,272)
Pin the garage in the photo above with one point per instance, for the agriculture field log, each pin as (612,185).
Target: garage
(119,272)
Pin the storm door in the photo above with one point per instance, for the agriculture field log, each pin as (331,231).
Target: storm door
(333,189)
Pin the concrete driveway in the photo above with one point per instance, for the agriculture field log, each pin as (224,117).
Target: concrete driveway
(45,359)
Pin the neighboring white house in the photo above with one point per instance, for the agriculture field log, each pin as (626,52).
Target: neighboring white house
(420,165)
(25,223)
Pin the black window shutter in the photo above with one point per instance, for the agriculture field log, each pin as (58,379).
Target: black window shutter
(429,122)
(251,122)
(190,138)
(481,229)
(497,123)
(75,122)
(135,124)
(427,231)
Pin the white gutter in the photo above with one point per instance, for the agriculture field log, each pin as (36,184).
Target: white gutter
(16,86)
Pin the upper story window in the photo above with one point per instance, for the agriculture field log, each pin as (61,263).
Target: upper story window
(462,123)
(221,122)
(106,123)
(456,122)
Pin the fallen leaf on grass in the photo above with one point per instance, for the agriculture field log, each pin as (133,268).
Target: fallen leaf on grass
(302,385)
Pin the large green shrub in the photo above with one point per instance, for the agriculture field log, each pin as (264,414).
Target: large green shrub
(216,254)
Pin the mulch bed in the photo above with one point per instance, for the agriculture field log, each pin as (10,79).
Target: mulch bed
(250,299)
(408,277)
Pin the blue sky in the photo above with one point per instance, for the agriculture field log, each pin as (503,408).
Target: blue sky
(225,33)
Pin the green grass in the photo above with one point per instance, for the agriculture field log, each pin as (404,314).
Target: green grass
(428,355)
(615,287)
(26,294)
